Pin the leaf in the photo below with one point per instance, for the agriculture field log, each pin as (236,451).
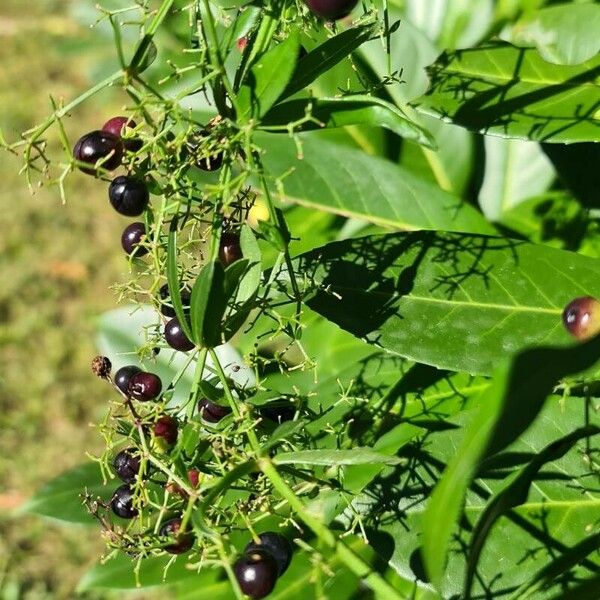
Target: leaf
(512,92)
(500,420)
(514,170)
(327,55)
(586,590)
(566,34)
(208,304)
(334,458)
(455,301)
(251,252)
(346,182)
(267,79)
(61,497)
(173,280)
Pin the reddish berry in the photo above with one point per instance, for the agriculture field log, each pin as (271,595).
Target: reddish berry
(194,477)
(331,10)
(128,196)
(123,377)
(127,465)
(212,412)
(242,43)
(122,502)
(132,237)
(256,573)
(581,317)
(166,428)
(117,126)
(101,366)
(279,547)
(96,146)
(229,248)
(176,338)
(184,540)
(145,386)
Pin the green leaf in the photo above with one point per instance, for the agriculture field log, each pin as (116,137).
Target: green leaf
(174,282)
(513,92)
(326,56)
(61,497)
(344,111)
(267,79)
(345,181)
(456,301)
(586,590)
(208,304)
(251,252)
(500,420)
(566,34)
(334,458)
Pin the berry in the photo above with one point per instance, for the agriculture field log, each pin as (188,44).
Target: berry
(279,414)
(194,477)
(194,146)
(166,308)
(229,248)
(101,366)
(166,428)
(127,465)
(132,236)
(123,377)
(212,412)
(256,573)
(279,547)
(98,145)
(185,540)
(122,502)
(176,338)
(331,10)
(144,386)
(241,43)
(128,196)
(581,317)
(117,126)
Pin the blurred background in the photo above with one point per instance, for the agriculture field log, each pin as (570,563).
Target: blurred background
(57,264)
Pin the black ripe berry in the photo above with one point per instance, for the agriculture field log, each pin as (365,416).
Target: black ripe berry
(581,317)
(166,428)
(144,386)
(279,547)
(176,338)
(123,377)
(229,248)
(331,10)
(96,146)
(184,540)
(196,147)
(212,412)
(122,502)
(166,306)
(256,573)
(117,126)
(127,465)
(132,236)
(128,196)
(101,366)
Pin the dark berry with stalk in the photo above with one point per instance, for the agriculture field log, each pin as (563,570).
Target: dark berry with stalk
(132,237)
(176,338)
(166,306)
(118,126)
(145,386)
(230,249)
(126,465)
(129,196)
(166,428)
(122,502)
(279,547)
(194,145)
(123,377)
(212,412)
(581,317)
(98,146)
(256,573)
(184,540)
(331,10)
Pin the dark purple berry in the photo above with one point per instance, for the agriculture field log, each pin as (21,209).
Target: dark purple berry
(96,146)
(145,386)
(581,317)
(128,196)
(166,428)
(279,547)
(176,338)
(127,465)
(256,573)
(132,237)
(166,307)
(123,377)
(184,540)
(331,10)
(122,502)
(101,366)
(117,126)
(212,412)
(195,144)
(229,248)
(279,413)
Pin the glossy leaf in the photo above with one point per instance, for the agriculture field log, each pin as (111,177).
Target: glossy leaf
(208,304)
(513,92)
(174,282)
(456,301)
(356,456)
(346,182)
